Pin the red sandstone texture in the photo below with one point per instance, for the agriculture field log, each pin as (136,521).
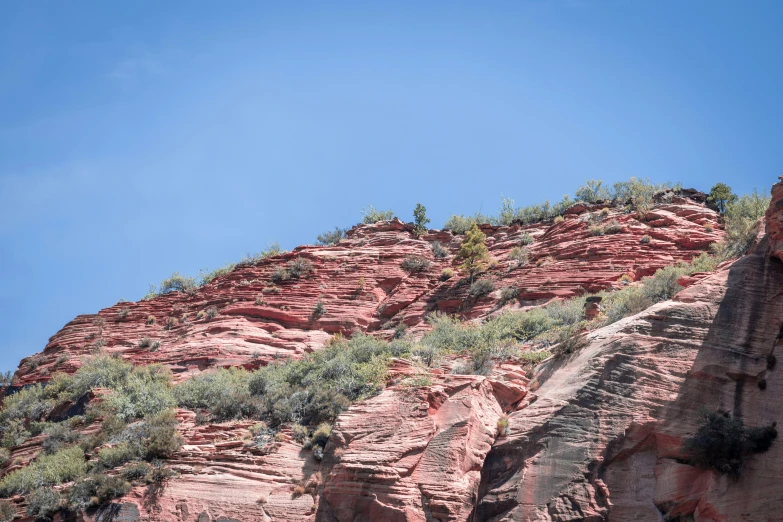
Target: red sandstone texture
(596,435)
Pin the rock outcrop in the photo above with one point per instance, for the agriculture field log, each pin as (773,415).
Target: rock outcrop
(594,435)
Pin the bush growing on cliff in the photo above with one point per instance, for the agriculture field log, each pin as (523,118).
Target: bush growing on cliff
(43,502)
(225,393)
(331,237)
(371,215)
(272,249)
(592,191)
(480,288)
(177,283)
(741,224)
(461,224)
(208,276)
(438,250)
(723,443)
(473,252)
(415,264)
(420,220)
(720,197)
(47,470)
(96,489)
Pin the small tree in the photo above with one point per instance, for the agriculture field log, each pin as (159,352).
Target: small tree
(473,251)
(420,220)
(720,198)
(592,191)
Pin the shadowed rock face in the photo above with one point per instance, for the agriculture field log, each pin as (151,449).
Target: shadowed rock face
(603,439)
(595,436)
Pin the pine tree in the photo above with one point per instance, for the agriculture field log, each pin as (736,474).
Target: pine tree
(420,220)
(720,197)
(473,251)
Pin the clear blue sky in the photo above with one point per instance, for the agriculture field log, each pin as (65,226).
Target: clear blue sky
(139,138)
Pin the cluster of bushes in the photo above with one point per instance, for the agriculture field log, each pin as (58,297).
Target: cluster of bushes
(741,222)
(307,391)
(414,264)
(372,215)
(331,237)
(295,269)
(138,419)
(638,194)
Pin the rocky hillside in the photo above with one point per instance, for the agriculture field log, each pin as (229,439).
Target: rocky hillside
(597,432)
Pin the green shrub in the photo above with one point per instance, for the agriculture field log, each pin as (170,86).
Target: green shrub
(43,502)
(272,249)
(137,471)
(741,222)
(613,228)
(508,293)
(370,215)
(645,239)
(47,470)
(414,264)
(96,489)
(597,230)
(145,391)
(331,237)
(112,457)
(319,310)
(280,275)
(502,426)
(223,392)
(720,197)
(58,436)
(5,457)
(723,443)
(592,191)
(177,283)
(299,267)
(208,277)
(7,510)
(519,256)
(639,193)
(480,288)
(438,250)
(446,274)
(461,224)
(534,357)
(151,344)
(321,434)
(155,437)
(526,239)
(211,312)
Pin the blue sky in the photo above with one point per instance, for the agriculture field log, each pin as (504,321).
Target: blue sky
(140,138)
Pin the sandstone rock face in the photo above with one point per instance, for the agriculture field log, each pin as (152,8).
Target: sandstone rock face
(362,286)
(603,438)
(596,435)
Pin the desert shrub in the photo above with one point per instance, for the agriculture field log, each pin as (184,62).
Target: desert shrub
(155,437)
(272,249)
(96,489)
(280,275)
(534,357)
(5,457)
(7,510)
(559,219)
(480,288)
(321,434)
(626,279)
(211,312)
(526,239)
(47,470)
(592,191)
(399,331)
(613,228)
(639,193)
(741,222)
(299,267)
(508,293)
(145,391)
(597,230)
(58,436)
(43,502)
(319,386)
(114,456)
(223,392)
(507,213)
(645,239)
(414,264)
(123,313)
(177,283)
(371,215)
(14,433)
(461,224)
(446,274)
(438,250)
(708,227)
(149,343)
(6,378)
(331,237)
(723,443)
(209,276)
(136,471)
(519,256)
(502,426)
(318,310)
